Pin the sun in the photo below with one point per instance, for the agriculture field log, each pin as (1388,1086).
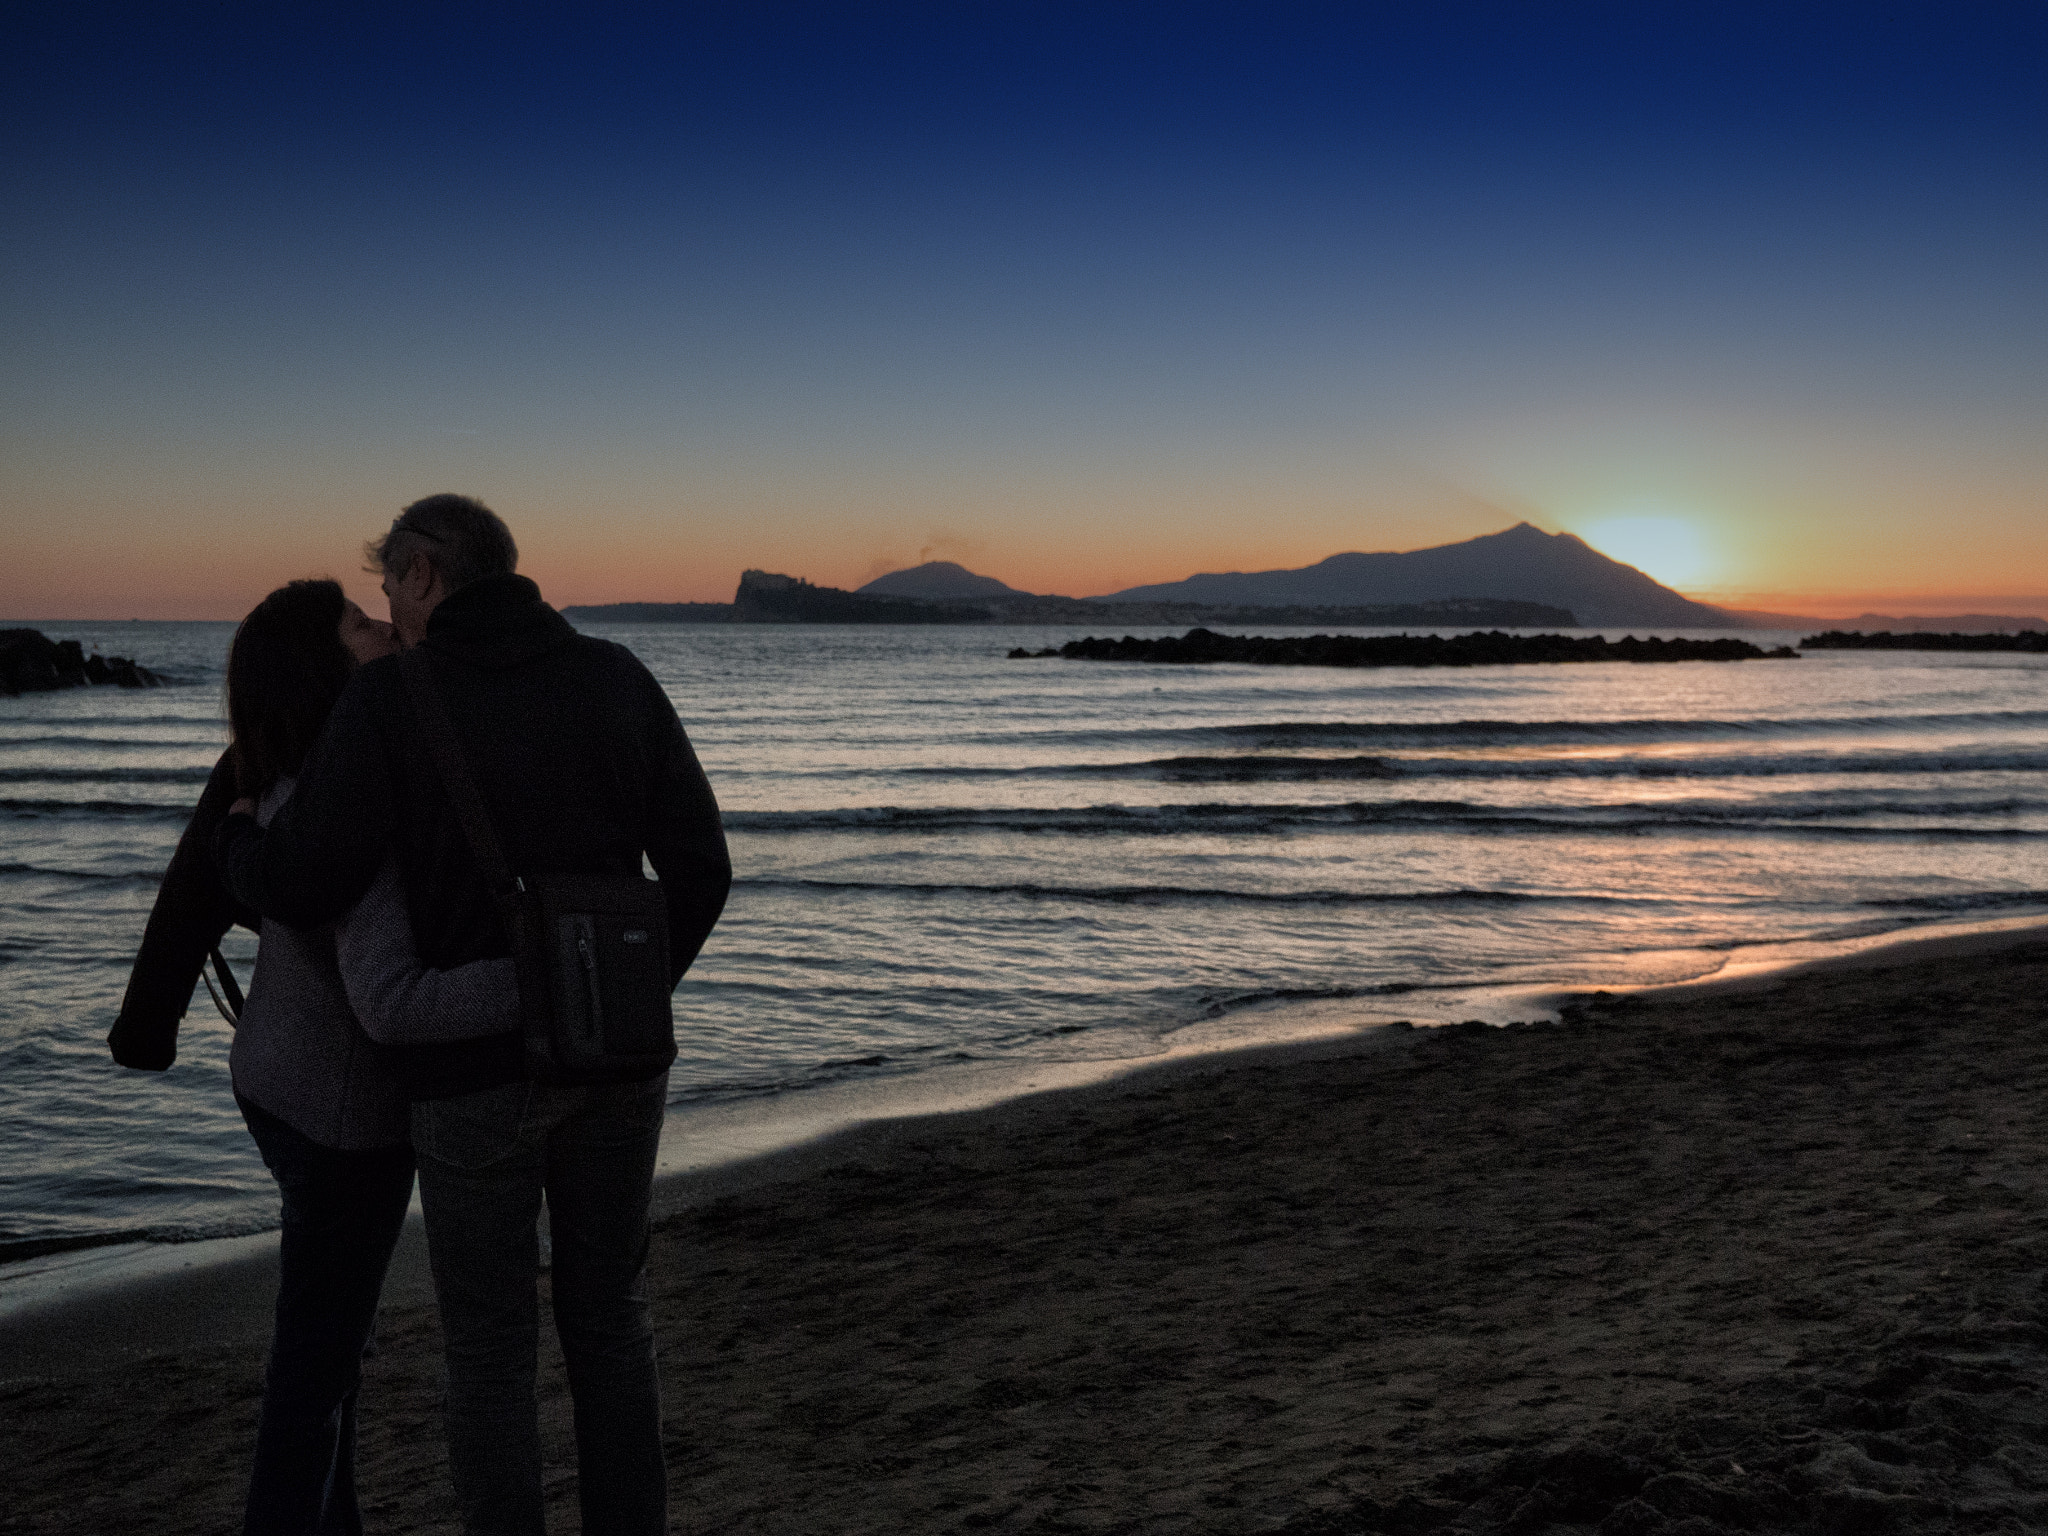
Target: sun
(1666,549)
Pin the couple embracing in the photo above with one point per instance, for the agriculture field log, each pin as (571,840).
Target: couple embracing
(372,818)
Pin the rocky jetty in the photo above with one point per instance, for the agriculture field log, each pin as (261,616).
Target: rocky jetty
(31,662)
(1923,640)
(1489,648)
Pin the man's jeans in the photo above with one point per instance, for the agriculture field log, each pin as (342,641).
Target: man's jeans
(342,1213)
(485,1159)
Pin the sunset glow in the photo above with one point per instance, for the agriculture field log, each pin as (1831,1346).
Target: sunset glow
(1670,549)
(1083,299)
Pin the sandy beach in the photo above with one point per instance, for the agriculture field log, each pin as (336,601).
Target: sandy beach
(1756,1260)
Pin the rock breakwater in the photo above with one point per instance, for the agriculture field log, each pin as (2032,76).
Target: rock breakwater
(2034,641)
(1487,648)
(31,662)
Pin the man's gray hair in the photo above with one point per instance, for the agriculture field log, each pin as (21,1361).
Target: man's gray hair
(464,538)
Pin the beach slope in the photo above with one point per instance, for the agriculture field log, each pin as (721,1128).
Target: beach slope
(1767,1260)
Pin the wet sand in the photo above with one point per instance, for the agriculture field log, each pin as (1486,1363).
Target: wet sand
(1766,1259)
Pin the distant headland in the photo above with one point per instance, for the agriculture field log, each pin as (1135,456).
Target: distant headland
(767,598)
(1519,578)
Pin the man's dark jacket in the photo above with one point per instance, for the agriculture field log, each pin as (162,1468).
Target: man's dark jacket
(580,761)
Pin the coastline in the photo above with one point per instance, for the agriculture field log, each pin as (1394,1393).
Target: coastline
(1142,930)
(1762,1256)
(714,1142)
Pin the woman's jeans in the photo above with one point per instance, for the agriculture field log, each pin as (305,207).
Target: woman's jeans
(342,1214)
(485,1160)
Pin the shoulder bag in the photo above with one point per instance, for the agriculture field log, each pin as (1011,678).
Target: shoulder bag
(591,950)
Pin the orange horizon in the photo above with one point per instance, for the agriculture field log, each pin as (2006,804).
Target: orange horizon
(76,607)
(217,562)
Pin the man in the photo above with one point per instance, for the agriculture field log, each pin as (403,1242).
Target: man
(583,767)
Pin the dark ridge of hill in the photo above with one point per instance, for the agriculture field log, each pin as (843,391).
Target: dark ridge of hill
(767,598)
(1521,563)
(1201,646)
(1613,595)
(650,613)
(945,581)
(1766,618)
(937,581)
(1761,618)
(1457,610)
(2033,641)
(1950,623)
(807,604)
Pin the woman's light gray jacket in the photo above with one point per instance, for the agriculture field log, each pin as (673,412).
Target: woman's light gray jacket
(310,1046)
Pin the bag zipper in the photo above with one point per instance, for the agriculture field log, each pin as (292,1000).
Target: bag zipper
(589,957)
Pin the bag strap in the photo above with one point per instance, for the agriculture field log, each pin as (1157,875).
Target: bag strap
(228,984)
(439,730)
(230,1006)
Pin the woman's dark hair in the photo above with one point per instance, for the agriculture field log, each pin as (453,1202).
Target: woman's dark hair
(286,668)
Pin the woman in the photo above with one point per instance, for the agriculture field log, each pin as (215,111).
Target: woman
(321,1098)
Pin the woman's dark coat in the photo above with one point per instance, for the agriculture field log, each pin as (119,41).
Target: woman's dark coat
(193,909)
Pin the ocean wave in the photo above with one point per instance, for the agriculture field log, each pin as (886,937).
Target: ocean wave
(1187,770)
(1800,807)
(1216,1005)
(1961,901)
(1283,769)
(1983,760)
(210,742)
(1405,733)
(119,810)
(116,877)
(1163,894)
(1223,818)
(1082,819)
(106,775)
(15,1248)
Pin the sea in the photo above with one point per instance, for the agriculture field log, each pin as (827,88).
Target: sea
(948,860)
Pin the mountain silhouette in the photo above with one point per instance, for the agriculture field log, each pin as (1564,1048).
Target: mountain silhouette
(943,583)
(1522,563)
(937,580)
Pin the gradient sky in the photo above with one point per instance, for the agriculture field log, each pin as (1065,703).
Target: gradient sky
(1081,296)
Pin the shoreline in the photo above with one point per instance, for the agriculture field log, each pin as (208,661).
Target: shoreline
(1770,1258)
(717,1140)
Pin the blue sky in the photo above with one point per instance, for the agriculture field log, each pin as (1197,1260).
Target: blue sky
(1084,296)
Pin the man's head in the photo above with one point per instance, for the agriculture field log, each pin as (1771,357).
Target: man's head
(437,546)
